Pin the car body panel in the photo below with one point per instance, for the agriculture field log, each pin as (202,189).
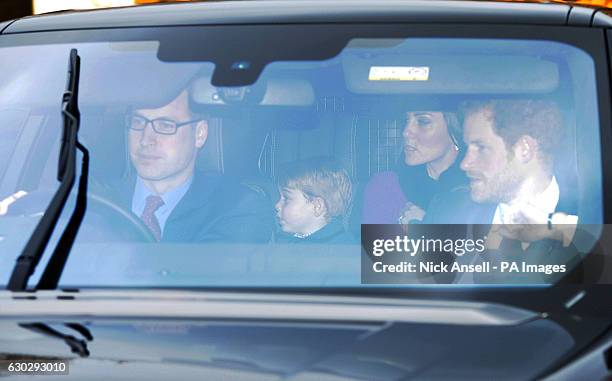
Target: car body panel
(283,347)
(177,304)
(300,12)
(5,24)
(602,18)
(580,16)
(592,365)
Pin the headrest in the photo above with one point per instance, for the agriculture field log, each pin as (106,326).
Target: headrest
(210,157)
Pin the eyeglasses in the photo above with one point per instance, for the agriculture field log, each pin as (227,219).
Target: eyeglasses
(161,126)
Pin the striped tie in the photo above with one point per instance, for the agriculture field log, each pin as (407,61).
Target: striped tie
(148,215)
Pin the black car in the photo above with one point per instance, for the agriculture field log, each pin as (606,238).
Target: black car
(307,190)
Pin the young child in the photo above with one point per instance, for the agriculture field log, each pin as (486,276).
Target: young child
(314,198)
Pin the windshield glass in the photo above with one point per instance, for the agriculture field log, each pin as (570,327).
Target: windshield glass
(341,170)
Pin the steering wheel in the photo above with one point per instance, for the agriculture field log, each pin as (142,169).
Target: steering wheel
(104,218)
(129,225)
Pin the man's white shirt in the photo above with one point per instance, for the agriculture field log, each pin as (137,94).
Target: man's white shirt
(545,202)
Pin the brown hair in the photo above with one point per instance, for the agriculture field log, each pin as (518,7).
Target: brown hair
(540,119)
(320,178)
(453,127)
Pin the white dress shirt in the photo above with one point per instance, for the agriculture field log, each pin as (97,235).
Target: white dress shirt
(538,208)
(544,202)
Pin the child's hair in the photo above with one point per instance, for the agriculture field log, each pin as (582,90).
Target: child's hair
(320,178)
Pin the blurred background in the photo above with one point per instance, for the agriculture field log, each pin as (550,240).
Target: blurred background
(11,9)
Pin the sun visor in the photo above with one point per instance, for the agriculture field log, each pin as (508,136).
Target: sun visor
(456,74)
(112,74)
(142,82)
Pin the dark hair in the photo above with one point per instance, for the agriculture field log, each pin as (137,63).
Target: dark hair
(453,127)
(513,118)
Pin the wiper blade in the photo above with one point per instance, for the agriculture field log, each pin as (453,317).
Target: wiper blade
(66,173)
(77,346)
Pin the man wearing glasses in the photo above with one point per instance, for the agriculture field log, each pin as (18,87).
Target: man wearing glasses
(174,201)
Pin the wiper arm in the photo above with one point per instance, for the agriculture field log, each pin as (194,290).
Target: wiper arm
(77,346)
(66,173)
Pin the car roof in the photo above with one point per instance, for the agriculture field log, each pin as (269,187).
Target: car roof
(312,11)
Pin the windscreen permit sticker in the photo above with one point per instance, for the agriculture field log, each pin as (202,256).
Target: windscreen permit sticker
(399,73)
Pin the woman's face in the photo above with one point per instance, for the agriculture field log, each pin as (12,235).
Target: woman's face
(426,137)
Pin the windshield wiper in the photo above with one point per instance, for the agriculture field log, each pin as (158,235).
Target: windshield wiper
(77,346)
(66,173)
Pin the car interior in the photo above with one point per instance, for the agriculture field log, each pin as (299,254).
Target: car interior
(281,82)
(333,108)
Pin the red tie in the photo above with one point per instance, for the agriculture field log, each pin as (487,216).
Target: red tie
(148,215)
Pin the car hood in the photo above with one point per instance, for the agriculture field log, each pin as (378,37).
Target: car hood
(184,335)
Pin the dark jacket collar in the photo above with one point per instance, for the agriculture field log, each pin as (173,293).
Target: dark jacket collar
(333,232)
(198,196)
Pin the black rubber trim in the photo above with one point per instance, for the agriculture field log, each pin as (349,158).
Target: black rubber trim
(6,24)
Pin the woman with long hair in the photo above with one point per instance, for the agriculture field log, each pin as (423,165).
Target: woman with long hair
(430,165)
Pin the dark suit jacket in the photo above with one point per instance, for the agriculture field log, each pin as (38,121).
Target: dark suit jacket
(456,207)
(214,209)
(332,233)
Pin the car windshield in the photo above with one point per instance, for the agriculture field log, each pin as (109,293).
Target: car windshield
(314,162)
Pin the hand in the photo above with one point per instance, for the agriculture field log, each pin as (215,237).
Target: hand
(526,225)
(410,213)
(529,224)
